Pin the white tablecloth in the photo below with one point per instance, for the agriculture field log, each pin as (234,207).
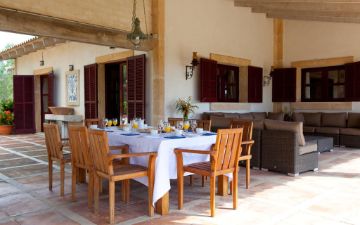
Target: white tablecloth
(165,168)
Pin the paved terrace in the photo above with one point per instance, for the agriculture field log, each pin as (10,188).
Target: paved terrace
(330,196)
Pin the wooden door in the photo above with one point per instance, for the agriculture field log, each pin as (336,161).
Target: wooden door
(24,104)
(208,80)
(255,84)
(46,95)
(136,86)
(91,91)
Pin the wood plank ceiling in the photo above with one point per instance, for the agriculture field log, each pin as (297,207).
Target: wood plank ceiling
(345,11)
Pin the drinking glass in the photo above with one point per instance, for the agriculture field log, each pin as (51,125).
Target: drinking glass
(160,126)
(186,125)
(105,122)
(193,125)
(179,125)
(109,123)
(115,121)
(167,127)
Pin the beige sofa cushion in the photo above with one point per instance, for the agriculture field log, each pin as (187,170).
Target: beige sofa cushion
(276,116)
(259,124)
(327,130)
(231,115)
(296,127)
(298,117)
(353,120)
(309,147)
(312,119)
(350,131)
(309,129)
(259,115)
(247,116)
(220,122)
(333,120)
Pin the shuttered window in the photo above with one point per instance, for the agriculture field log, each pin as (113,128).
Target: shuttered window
(24,105)
(136,86)
(91,96)
(255,84)
(208,80)
(352,81)
(284,85)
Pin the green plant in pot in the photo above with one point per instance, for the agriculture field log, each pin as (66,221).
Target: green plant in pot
(185,107)
(6,116)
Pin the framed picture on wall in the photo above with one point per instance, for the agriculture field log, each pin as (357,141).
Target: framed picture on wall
(73,87)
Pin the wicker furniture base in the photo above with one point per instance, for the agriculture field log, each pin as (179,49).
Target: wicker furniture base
(350,141)
(280,152)
(324,143)
(336,137)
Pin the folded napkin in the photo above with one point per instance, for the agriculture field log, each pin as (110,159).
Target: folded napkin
(130,134)
(208,134)
(174,137)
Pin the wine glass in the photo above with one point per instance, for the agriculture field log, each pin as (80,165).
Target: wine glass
(193,125)
(179,125)
(105,122)
(167,127)
(160,126)
(115,121)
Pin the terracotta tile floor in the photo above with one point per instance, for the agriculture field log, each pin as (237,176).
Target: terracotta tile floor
(330,196)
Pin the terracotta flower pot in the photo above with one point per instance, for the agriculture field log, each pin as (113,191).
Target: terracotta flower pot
(6,129)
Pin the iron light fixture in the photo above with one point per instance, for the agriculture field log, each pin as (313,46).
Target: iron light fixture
(71,67)
(189,70)
(42,62)
(136,35)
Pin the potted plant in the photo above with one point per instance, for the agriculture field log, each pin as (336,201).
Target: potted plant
(185,107)
(6,117)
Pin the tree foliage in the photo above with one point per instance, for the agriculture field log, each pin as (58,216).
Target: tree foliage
(6,79)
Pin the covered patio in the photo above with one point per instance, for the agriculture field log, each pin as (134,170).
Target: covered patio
(329,196)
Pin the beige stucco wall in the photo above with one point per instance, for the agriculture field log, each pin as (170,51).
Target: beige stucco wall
(212,26)
(60,57)
(308,40)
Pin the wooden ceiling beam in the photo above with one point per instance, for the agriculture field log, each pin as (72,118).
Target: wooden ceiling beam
(307,13)
(39,25)
(298,16)
(351,7)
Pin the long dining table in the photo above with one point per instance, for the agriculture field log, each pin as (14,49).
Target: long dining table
(165,168)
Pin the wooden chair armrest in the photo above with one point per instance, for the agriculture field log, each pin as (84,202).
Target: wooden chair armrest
(247,142)
(179,150)
(129,155)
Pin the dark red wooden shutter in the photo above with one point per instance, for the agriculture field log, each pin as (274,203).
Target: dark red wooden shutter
(255,84)
(208,71)
(136,68)
(284,85)
(24,105)
(352,81)
(91,91)
(51,80)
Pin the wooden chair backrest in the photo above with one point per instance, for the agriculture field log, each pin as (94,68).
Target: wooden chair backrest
(204,124)
(228,149)
(99,150)
(79,143)
(247,125)
(89,122)
(173,121)
(53,141)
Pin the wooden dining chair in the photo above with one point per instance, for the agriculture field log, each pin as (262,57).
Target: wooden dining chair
(104,168)
(54,147)
(247,142)
(205,124)
(81,159)
(224,159)
(89,122)
(173,121)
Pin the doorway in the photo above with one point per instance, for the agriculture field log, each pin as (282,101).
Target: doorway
(115,90)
